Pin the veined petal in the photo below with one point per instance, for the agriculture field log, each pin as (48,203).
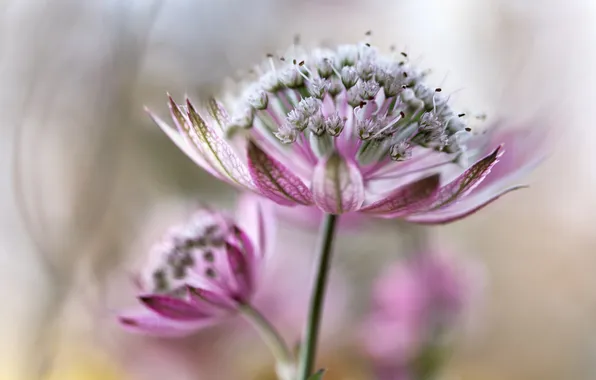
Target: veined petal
(463,184)
(148,322)
(218,113)
(241,271)
(214,148)
(459,210)
(172,308)
(274,180)
(405,196)
(184,144)
(337,185)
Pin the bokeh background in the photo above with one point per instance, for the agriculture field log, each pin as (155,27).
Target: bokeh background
(87,180)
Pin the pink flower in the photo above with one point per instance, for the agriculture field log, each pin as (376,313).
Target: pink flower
(350,130)
(416,303)
(202,271)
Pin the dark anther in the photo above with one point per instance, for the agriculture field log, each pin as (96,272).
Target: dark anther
(402,114)
(210,230)
(208,256)
(368,33)
(282,59)
(403,86)
(187,260)
(404,54)
(301,63)
(209,272)
(179,272)
(294,61)
(468,129)
(362,104)
(438,89)
(367,44)
(405,74)
(461,115)
(269,55)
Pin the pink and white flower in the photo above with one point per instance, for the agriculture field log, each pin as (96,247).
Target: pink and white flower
(416,304)
(350,130)
(202,271)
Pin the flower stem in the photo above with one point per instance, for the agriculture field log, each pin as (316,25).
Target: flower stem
(269,334)
(308,351)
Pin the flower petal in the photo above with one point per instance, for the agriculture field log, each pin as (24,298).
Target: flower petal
(274,180)
(214,148)
(406,196)
(208,300)
(337,185)
(218,113)
(184,144)
(172,308)
(255,217)
(460,210)
(525,149)
(241,270)
(145,321)
(463,184)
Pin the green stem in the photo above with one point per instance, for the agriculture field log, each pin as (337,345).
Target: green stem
(308,352)
(269,334)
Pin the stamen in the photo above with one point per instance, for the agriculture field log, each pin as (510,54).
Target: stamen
(271,62)
(388,126)
(400,151)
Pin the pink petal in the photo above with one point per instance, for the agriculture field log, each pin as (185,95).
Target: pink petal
(172,308)
(459,210)
(254,216)
(145,321)
(463,184)
(525,148)
(218,113)
(337,185)
(274,180)
(406,196)
(202,298)
(214,148)
(184,145)
(241,271)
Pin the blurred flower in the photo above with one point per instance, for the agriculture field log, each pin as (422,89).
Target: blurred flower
(202,271)
(417,303)
(348,130)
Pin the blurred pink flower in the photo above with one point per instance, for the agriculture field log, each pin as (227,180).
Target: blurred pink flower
(202,271)
(415,303)
(348,130)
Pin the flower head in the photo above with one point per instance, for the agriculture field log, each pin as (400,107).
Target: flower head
(347,130)
(416,304)
(201,271)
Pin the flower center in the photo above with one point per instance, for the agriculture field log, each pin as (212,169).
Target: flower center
(380,102)
(190,246)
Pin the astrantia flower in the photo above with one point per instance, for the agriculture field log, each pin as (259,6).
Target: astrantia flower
(417,303)
(202,271)
(347,130)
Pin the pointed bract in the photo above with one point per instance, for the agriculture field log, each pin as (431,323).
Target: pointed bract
(338,186)
(274,180)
